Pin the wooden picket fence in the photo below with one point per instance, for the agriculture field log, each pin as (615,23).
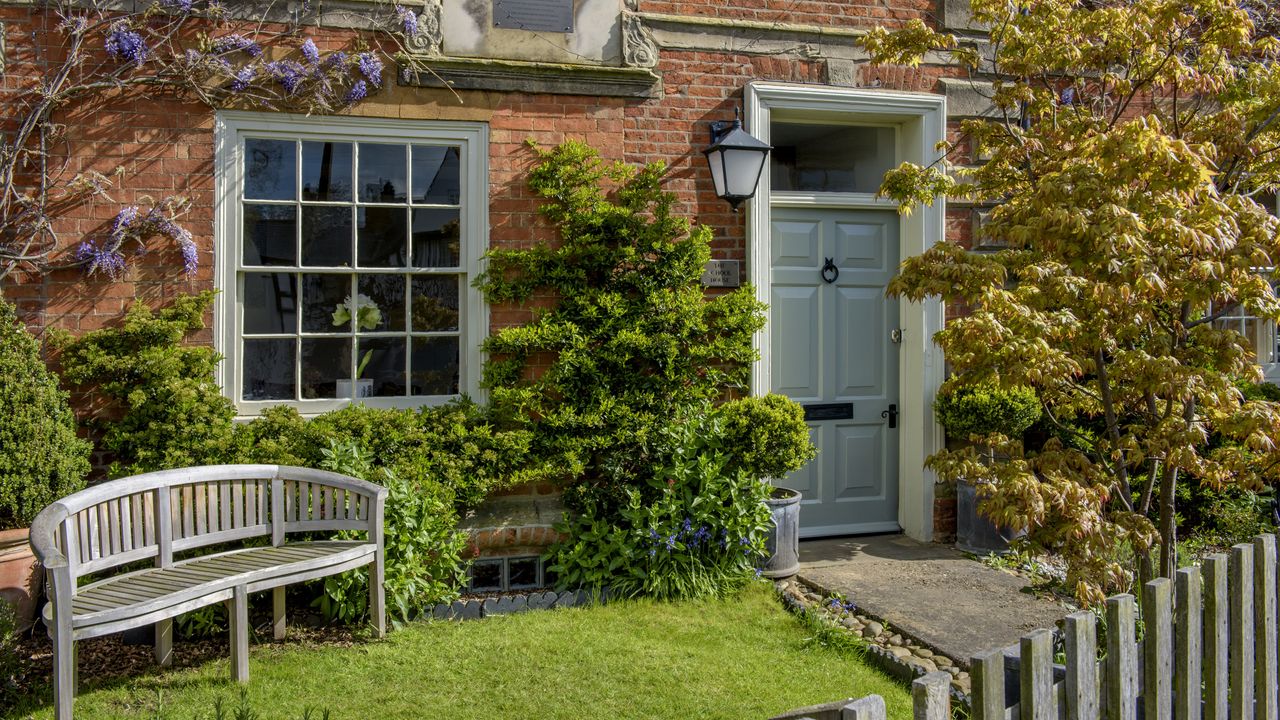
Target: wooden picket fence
(1208,653)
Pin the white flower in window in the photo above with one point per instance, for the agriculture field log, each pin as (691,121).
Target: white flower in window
(362,308)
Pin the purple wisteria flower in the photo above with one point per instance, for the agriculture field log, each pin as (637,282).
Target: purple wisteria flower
(126,44)
(243,78)
(371,67)
(107,261)
(358,92)
(335,59)
(183,5)
(236,43)
(190,258)
(310,51)
(288,73)
(408,21)
(122,222)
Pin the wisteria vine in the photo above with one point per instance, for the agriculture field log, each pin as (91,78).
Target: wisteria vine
(195,49)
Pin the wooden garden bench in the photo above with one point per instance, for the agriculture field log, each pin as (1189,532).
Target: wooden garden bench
(116,523)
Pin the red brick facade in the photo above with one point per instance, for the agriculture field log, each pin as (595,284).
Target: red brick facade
(166,145)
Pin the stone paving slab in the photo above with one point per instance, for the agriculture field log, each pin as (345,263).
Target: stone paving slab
(934,593)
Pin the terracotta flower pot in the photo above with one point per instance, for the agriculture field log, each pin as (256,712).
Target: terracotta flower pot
(20,575)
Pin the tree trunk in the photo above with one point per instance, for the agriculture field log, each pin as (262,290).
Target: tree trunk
(1168,524)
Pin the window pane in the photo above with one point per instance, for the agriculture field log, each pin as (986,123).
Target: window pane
(322,295)
(326,171)
(326,362)
(270,303)
(268,369)
(382,173)
(387,294)
(435,238)
(270,169)
(381,236)
(385,366)
(435,366)
(435,303)
(435,175)
(326,236)
(830,158)
(270,234)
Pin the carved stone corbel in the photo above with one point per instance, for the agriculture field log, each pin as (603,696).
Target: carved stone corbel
(429,40)
(638,46)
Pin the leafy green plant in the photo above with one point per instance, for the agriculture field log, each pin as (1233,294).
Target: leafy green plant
(629,340)
(207,622)
(766,435)
(41,459)
(9,662)
(161,406)
(696,528)
(424,562)
(986,409)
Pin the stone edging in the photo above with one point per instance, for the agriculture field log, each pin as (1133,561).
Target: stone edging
(899,655)
(477,608)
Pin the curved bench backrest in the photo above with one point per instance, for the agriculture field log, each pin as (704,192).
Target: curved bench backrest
(157,514)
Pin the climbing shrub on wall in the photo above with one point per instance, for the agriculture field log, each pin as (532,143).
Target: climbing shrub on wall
(631,338)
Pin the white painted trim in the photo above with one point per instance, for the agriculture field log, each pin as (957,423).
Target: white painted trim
(921,119)
(473,141)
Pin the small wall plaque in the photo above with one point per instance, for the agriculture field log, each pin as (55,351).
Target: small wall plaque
(542,15)
(721,273)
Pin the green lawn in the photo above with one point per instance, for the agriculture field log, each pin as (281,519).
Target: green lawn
(739,658)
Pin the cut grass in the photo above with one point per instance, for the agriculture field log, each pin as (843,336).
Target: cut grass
(743,657)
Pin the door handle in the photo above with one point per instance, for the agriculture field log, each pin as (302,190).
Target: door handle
(892,414)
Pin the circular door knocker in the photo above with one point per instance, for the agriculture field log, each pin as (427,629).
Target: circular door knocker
(830,272)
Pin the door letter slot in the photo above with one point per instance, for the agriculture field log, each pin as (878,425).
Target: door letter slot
(829,411)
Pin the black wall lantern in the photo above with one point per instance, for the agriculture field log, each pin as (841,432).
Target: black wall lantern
(736,160)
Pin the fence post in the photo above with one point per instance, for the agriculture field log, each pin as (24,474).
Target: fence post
(986,673)
(871,707)
(1241,602)
(931,696)
(1188,622)
(1036,676)
(1157,649)
(1264,613)
(1216,633)
(1081,641)
(1122,659)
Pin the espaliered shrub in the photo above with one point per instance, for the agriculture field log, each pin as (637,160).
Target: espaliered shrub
(631,341)
(161,407)
(41,459)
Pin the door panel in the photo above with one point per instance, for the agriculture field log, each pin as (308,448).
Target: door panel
(830,344)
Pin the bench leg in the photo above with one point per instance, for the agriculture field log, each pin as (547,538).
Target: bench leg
(378,595)
(164,643)
(64,674)
(240,635)
(277,613)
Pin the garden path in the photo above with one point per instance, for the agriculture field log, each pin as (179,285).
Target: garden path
(930,592)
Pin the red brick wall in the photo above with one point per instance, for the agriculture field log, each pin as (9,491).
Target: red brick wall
(165,145)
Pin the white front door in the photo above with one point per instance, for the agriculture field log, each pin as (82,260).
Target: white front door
(834,348)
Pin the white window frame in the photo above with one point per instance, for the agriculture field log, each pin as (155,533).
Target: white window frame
(472,139)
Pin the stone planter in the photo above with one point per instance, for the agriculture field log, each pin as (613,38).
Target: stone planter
(20,576)
(783,542)
(974,532)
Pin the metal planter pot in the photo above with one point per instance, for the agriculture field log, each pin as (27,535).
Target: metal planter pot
(974,532)
(783,542)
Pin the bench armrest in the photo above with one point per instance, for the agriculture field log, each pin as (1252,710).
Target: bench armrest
(44,534)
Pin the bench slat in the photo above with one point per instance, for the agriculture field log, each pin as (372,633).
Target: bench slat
(237,504)
(146,591)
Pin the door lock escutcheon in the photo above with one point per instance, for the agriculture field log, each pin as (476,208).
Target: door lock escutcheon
(892,415)
(895,336)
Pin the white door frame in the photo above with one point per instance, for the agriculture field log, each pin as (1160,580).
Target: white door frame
(920,119)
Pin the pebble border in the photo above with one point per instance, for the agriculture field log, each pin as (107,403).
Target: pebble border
(901,656)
